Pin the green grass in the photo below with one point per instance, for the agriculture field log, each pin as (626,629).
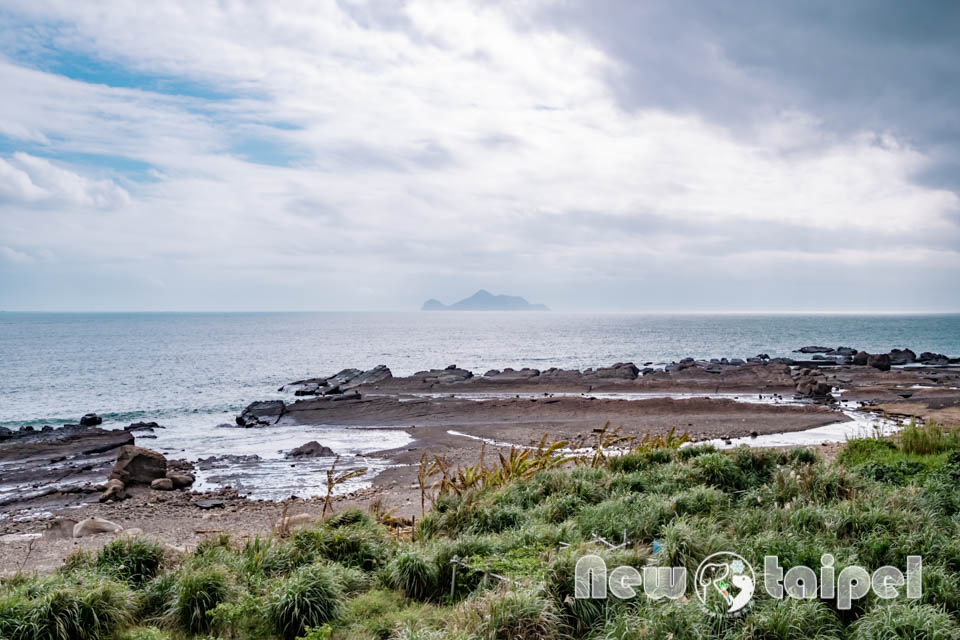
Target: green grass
(133,560)
(349,579)
(309,597)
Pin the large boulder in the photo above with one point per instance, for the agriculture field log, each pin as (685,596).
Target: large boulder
(90,420)
(860,358)
(812,385)
(902,356)
(162,484)
(113,491)
(93,526)
(136,465)
(879,361)
(5,433)
(59,528)
(181,480)
(312,449)
(262,413)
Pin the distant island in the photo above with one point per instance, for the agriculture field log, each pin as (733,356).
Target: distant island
(483,300)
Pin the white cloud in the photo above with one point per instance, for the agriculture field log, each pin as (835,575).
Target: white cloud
(28,180)
(460,138)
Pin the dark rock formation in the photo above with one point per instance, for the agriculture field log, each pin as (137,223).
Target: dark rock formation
(339,382)
(930,358)
(312,449)
(902,356)
(137,465)
(879,361)
(812,384)
(861,358)
(90,420)
(813,349)
(262,413)
(142,426)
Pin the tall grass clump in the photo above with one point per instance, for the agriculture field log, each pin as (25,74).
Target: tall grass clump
(659,619)
(512,614)
(197,593)
(791,619)
(133,560)
(926,439)
(414,574)
(351,538)
(88,608)
(905,620)
(309,597)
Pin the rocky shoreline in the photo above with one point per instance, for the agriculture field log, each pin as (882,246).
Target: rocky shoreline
(65,473)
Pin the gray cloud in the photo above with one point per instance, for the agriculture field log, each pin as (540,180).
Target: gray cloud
(860,65)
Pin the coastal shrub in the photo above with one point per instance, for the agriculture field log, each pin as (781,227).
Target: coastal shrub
(757,465)
(791,619)
(351,516)
(242,616)
(383,613)
(558,508)
(352,581)
(581,614)
(89,608)
(133,560)
(494,518)
(198,591)
(414,574)
(905,620)
(925,439)
(144,633)
(659,619)
(636,516)
(718,470)
(686,541)
(309,597)
(156,597)
(509,614)
(700,500)
(691,452)
(801,455)
(361,544)
(15,619)
(941,587)
(860,450)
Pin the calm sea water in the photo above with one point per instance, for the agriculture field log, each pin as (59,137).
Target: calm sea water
(191,372)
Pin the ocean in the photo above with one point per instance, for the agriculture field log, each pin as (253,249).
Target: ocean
(193,371)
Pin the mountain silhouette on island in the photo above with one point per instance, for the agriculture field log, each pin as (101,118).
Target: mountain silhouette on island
(483,300)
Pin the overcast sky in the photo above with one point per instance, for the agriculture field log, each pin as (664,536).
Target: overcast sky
(594,154)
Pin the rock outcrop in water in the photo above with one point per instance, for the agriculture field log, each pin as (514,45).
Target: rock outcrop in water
(312,449)
(339,383)
(261,414)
